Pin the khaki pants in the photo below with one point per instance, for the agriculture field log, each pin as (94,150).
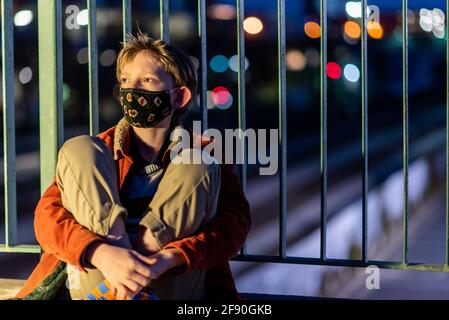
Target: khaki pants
(185,200)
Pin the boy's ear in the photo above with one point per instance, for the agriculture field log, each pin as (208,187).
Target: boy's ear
(182,97)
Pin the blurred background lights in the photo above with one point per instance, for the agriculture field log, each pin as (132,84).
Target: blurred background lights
(221,97)
(411,20)
(375,30)
(351,73)
(313,57)
(221,12)
(353,9)
(397,34)
(23,18)
(333,70)
(432,21)
(82,18)
(181,24)
(234,63)
(25,75)
(219,63)
(252,25)
(66,92)
(295,60)
(107,57)
(312,29)
(352,29)
(83,55)
(438,33)
(438,17)
(425,20)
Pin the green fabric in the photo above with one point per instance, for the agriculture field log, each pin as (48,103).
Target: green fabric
(51,288)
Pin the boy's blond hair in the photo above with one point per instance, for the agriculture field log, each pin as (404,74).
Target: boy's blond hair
(171,59)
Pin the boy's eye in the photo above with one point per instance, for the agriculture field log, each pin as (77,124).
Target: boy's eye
(123,80)
(149,80)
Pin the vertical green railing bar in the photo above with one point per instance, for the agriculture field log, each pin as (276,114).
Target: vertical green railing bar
(164,20)
(9,140)
(364,59)
(50,87)
(242,90)
(405,124)
(283,130)
(447,141)
(203,62)
(93,67)
(126,17)
(323,126)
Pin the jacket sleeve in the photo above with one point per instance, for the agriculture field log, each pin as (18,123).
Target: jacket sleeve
(222,238)
(58,232)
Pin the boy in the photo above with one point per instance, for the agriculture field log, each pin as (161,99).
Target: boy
(195,217)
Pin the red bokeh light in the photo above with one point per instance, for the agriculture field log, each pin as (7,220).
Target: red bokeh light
(220,95)
(333,70)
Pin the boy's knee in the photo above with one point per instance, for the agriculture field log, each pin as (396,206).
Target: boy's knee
(83,148)
(78,146)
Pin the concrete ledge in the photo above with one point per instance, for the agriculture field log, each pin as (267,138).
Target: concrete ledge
(9,288)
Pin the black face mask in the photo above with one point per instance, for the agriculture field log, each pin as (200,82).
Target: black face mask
(143,108)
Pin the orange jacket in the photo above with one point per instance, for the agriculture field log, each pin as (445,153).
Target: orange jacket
(62,238)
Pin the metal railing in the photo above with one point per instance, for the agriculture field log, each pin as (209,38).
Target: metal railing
(51,118)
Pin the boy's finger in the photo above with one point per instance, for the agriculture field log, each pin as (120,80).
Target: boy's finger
(121,293)
(132,288)
(143,269)
(143,258)
(140,279)
(113,291)
(147,260)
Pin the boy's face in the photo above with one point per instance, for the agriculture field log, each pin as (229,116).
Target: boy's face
(144,73)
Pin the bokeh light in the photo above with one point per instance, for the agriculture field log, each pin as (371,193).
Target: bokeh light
(295,60)
(354,9)
(221,12)
(438,17)
(25,75)
(375,30)
(83,55)
(352,29)
(82,18)
(351,73)
(252,25)
(66,94)
(234,63)
(23,18)
(312,29)
(333,70)
(219,63)
(221,97)
(107,57)
(313,57)
(433,21)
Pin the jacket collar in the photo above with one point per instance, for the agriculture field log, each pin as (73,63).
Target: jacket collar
(122,138)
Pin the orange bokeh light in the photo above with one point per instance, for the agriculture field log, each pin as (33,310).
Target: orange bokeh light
(252,25)
(312,30)
(352,29)
(375,30)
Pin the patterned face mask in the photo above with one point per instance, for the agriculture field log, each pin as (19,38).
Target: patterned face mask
(143,108)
